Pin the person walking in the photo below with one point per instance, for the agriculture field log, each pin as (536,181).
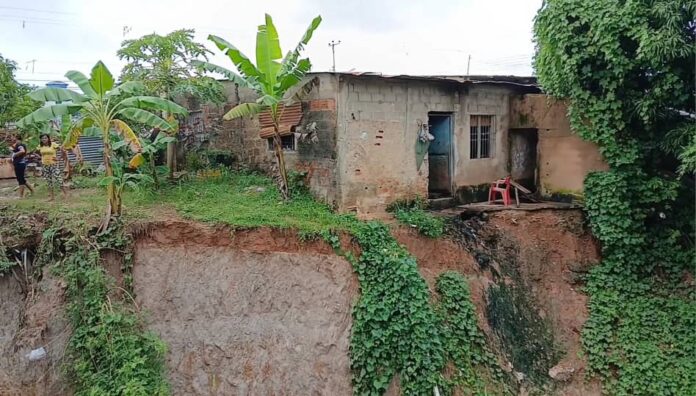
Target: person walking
(19,162)
(50,168)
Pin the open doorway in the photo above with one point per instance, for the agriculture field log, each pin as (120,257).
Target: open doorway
(523,156)
(439,155)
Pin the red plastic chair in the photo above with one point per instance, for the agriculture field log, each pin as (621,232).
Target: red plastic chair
(501,187)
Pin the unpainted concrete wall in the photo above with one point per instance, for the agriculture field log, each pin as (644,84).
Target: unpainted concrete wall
(564,159)
(482,100)
(377,133)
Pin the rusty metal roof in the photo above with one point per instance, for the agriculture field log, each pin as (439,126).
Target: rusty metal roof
(290,117)
(521,81)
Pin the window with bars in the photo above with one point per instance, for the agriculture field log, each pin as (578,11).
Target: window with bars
(287,142)
(482,136)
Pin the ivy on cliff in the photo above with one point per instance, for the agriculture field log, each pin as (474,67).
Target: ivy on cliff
(395,328)
(109,352)
(627,69)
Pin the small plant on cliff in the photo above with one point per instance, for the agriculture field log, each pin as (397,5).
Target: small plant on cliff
(476,368)
(276,81)
(413,214)
(395,329)
(109,351)
(106,107)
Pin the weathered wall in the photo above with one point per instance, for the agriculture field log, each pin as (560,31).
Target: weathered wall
(377,132)
(564,159)
(482,100)
(241,137)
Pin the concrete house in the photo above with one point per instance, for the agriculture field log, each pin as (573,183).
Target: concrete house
(374,139)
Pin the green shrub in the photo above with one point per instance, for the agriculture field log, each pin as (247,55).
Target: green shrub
(424,222)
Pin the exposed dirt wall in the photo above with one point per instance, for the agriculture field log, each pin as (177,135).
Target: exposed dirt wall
(251,313)
(31,323)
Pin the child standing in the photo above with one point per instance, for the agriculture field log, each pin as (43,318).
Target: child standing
(50,167)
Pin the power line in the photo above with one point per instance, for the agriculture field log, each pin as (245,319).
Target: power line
(38,10)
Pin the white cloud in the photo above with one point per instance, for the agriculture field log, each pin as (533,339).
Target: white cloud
(389,36)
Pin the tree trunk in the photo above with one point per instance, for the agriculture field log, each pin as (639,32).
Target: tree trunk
(154,170)
(68,166)
(171,158)
(113,206)
(280,160)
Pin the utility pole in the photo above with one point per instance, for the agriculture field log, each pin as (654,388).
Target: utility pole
(468,63)
(33,62)
(333,45)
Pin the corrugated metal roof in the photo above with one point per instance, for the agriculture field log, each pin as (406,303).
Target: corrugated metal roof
(522,81)
(290,117)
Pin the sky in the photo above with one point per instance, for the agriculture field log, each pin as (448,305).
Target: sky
(49,37)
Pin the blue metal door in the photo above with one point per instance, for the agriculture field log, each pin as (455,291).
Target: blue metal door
(439,152)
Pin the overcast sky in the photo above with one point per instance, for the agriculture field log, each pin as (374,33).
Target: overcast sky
(387,36)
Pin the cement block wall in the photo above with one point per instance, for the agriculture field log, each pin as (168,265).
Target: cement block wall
(377,133)
(563,158)
(482,100)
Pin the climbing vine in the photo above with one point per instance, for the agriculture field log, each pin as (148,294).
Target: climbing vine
(627,69)
(109,351)
(476,368)
(395,328)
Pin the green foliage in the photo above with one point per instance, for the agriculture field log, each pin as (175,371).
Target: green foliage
(208,158)
(424,222)
(6,263)
(464,343)
(14,103)
(627,69)
(412,213)
(245,200)
(395,330)
(109,351)
(106,107)
(165,66)
(275,81)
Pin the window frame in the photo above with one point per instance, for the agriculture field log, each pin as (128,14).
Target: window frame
(269,141)
(476,139)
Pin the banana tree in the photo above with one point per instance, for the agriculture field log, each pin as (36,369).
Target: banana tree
(107,107)
(276,80)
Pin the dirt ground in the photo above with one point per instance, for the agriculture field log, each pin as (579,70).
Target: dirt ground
(31,323)
(261,312)
(247,313)
(554,251)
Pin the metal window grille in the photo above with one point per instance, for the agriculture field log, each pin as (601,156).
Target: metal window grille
(287,142)
(473,133)
(481,136)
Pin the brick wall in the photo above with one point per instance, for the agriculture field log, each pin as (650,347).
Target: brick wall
(241,137)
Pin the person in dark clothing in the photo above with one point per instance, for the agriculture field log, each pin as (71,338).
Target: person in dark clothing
(19,162)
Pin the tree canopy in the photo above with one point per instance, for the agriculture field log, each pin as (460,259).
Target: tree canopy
(165,65)
(14,102)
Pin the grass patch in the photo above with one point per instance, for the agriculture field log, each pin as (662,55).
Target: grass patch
(245,200)
(413,214)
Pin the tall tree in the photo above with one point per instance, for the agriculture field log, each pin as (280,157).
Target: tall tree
(165,66)
(14,103)
(107,107)
(627,69)
(276,80)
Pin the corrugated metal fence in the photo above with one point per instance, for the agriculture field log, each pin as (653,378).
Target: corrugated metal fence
(92,150)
